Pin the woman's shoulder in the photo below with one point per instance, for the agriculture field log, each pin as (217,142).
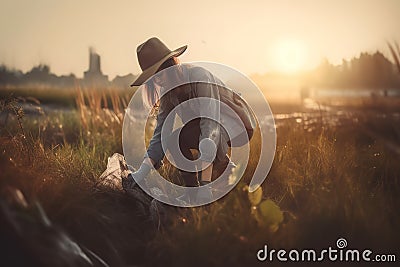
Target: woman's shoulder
(196,72)
(200,74)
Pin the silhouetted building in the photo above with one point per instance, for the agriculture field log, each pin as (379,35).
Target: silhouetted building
(94,76)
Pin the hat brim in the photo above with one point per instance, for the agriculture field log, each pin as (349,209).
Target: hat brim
(147,73)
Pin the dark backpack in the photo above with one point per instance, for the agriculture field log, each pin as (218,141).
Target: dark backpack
(243,110)
(237,104)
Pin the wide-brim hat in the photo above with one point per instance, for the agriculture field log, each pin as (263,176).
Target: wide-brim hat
(151,55)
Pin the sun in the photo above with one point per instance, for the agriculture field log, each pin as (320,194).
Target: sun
(290,55)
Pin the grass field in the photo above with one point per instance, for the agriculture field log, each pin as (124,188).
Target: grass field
(327,181)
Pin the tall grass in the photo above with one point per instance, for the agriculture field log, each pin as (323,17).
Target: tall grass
(324,184)
(59,160)
(327,184)
(395,51)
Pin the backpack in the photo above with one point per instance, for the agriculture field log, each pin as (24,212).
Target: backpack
(245,113)
(237,104)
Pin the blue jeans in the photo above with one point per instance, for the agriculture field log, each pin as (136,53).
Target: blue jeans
(189,139)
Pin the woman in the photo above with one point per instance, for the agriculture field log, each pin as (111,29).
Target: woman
(201,133)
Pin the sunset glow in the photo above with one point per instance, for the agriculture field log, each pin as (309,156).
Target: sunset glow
(282,36)
(290,55)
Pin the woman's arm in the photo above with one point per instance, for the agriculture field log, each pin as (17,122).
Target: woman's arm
(155,153)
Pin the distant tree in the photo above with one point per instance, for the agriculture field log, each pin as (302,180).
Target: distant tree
(366,71)
(369,71)
(323,73)
(382,70)
(40,74)
(8,76)
(123,81)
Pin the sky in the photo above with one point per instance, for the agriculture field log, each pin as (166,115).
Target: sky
(253,36)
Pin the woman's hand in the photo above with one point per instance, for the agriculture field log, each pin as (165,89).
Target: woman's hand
(129,183)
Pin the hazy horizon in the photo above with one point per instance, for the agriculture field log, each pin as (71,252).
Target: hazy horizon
(254,37)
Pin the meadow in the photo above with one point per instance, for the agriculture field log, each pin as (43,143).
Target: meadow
(335,175)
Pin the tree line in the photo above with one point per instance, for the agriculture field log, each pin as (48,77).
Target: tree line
(366,71)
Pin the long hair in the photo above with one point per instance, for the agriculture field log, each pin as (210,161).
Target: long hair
(151,93)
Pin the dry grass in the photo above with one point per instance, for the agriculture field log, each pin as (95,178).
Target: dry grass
(327,183)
